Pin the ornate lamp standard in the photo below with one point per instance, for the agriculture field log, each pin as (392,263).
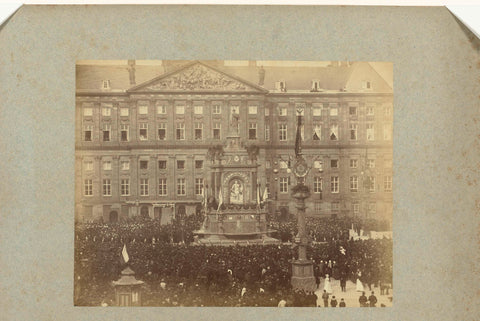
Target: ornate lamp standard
(302,268)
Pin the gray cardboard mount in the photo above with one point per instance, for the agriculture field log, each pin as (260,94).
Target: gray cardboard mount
(436,141)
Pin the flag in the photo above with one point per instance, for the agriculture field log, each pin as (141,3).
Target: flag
(298,138)
(125,254)
(220,199)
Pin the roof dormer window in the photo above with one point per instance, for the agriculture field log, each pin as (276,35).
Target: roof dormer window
(281,86)
(315,85)
(105,84)
(366,85)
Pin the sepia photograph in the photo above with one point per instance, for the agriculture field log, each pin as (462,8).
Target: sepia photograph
(233,183)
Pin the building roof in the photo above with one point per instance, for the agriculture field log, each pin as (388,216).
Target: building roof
(334,77)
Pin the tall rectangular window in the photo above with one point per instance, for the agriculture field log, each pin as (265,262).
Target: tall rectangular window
(317,184)
(125,187)
(252,131)
(353,184)
(267,111)
(106,132)
(144,187)
(87,133)
(88,187)
(162,186)
(318,165)
(198,131)
(143,131)
(333,111)
(198,110)
(387,183)
(216,109)
(216,130)
(107,187)
(334,184)
(333,132)
(353,163)
(124,132)
(335,206)
(283,184)
(180,131)
(353,131)
(162,131)
(371,183)
(282,111)
(282,132)
(372,209)
(124,112)
(252,110)
(181,189)
(370,132)
(198,186)
(144,164)
(267,132)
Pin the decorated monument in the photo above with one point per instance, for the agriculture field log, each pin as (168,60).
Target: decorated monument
(234,213)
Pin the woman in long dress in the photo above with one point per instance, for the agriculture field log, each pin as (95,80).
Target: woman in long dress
(359,283)
(327,287)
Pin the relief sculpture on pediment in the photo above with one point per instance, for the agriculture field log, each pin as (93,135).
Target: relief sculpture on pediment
(197,77)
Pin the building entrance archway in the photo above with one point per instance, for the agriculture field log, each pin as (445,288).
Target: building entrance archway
(113,217)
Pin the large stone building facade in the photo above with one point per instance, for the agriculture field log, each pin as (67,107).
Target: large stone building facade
(144,135)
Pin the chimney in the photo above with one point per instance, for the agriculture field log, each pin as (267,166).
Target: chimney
(131,71)
(261,76)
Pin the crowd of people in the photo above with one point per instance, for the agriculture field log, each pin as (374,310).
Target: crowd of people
(177,273)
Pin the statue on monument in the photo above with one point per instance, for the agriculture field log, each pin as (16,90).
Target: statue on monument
(236,193)
(234,118)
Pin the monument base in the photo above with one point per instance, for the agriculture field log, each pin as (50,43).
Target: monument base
(302,275)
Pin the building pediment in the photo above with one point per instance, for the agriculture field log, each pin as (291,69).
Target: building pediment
(197,77)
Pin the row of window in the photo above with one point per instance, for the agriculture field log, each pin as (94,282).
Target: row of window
(335,207)
(369,184)
(143,164)
(317,110)
(284,182)
(180,131)
(199,164)
(143,187)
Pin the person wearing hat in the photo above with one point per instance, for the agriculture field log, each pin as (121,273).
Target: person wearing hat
(333,302)
(363,300)
(342,303)
(325,298)
(372,299)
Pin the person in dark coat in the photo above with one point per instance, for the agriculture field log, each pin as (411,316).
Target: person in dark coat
(343,283)
(372,299)
(333,302)
(342,304)
(363,300)
(325,298)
